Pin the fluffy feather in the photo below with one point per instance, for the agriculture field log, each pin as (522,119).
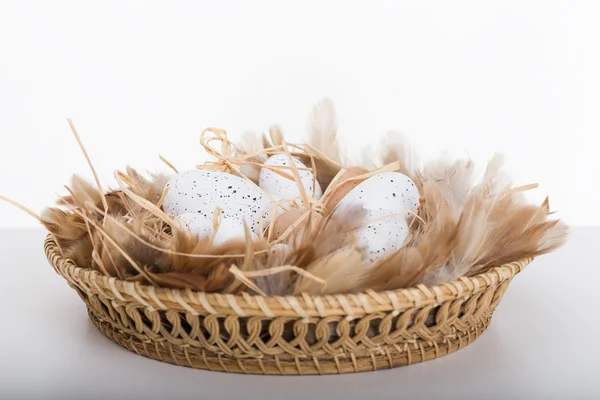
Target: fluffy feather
(463,228)
(340,270)
(395,147)
(323,145)
(323,130)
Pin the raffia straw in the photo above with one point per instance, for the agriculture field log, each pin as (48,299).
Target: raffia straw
(248,262)
(87,157)
(162,197)
(315,181)
(96,257)
(318,206)
(128,181)
(391,167)
(249,256)
(126,204)
(270,151)
(216,223)
(227,147)
(32,214)
(388,216)
(239,275)
(283,268)
(224,156)
(322,155)
(414,214)
(333,188)
(332,185)
(170,165)
(21,207)
(226,163)
(293,226)
(110,257)
(270,227)
(296,174)
(526,187)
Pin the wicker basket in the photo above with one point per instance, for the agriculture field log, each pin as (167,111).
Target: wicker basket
(289,335)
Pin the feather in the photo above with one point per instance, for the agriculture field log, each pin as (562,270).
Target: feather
(71,234)
(323,130)
(395,147)
(341,271)
(254,144)
(274,284)
(323,145)
(464,226)
(455,177)
(367,157)
(83,193)
(250,143)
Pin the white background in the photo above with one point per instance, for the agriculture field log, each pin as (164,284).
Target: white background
(144,78)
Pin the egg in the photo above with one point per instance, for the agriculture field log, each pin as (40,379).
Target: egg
(383,233)
(202,191)
(228,229)
(344,186)
(289,217)
(385,191)
(280,187)
(382,195)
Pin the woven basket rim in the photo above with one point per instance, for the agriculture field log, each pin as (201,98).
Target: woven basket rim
(304,305)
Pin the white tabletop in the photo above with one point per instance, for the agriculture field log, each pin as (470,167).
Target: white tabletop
(542,343)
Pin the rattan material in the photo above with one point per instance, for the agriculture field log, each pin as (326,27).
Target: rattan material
(289,335)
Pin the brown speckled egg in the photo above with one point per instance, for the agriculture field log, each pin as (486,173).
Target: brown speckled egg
(343,186)
(287,218)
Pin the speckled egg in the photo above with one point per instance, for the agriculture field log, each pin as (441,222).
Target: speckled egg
(229,229)
(280,187)
(383,234)
(202,191)
(385,191)
(382,195)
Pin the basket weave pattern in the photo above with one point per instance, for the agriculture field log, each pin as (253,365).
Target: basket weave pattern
(294,335)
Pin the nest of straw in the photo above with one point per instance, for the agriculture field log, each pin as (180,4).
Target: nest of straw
(464,225)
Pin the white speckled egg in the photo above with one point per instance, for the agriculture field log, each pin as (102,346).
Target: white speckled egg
(229,229)
(385,191)
(383,234)
(280,187)
(383,194)
(202,191)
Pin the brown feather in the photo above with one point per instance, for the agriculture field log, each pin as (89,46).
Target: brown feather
(341,271)
(464,227)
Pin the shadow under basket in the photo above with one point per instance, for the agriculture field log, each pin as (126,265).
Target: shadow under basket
(292,335)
